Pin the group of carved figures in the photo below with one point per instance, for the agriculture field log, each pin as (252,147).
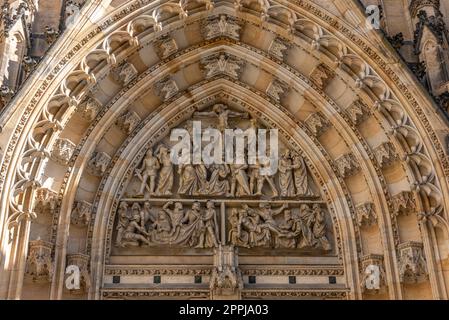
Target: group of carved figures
(170,225)
(258,228)
(235,180)
(198,227)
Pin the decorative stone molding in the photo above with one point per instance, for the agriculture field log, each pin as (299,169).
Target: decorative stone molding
(51,34)
(113,270)
(276,90)
(278,48)
(292,271)
(347,165)
(39,264)
(317,124)
(46,201)
(412,264)
(98,163)
(222,63)
(166,88)
(165,46)
(321,76)
(221,26)
(385,154)
(82,262)
(358,112)
(373,274)
(226,279)
(159,292)
(417,5)
(89,109)
(366,214)
(128,121)
(403,203)
(6,95)
(62,151)
(282,293)
(124,73)
(81,213)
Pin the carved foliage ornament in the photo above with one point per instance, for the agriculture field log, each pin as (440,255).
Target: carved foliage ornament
(222,63)
(347,165)
(128,121)
(221,26)
(321,76)
(81,213)
(39,262)
(46,201)
(373,274)
(98,163)
(62,151)
(366,214)
(317,124)
(124,73)
(412,264)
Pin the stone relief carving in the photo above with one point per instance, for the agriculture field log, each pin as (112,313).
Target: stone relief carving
(276,90)
(278,48)
(81,213)
(165,46)
(166,88)
(412,264)
(385,154)
(322,75)
(39,263)
(366,214)
(403,203)
(170,225)
(373,274)
(221,26)
(347,165)
(171,205)
(124,73)
(226,278)
(89,108)
(358,112)
(222,63)
(128,121)
(317,124)
(304,227)
(82,262)
(46,201)
(62,151)
(98,163)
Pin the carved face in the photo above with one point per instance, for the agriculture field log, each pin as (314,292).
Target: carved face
(178,205)
(196,206)
(210,205)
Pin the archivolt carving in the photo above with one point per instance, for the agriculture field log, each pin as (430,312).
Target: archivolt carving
(50,123)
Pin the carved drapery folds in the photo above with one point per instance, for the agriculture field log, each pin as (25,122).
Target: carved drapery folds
(412,264)
(98,163)
(403,203)
(82,262)
(81,213)
(62,151)
(39,264)
(373,274)
(321,76)
(128,121)
(347,165)
(317,124)
(366,214)
(222,63)
(46,201)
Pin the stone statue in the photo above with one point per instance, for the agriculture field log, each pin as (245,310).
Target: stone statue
(218,185)
(166,174)
(123,222)
(133,231)
(146,215)
(237,235)
(286,238)
(223,114)
(319,229)
(209,229)
(188,181)
(257,180)
(148,170)
(239,180)
(176,215)
(301,176)
(286,175)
